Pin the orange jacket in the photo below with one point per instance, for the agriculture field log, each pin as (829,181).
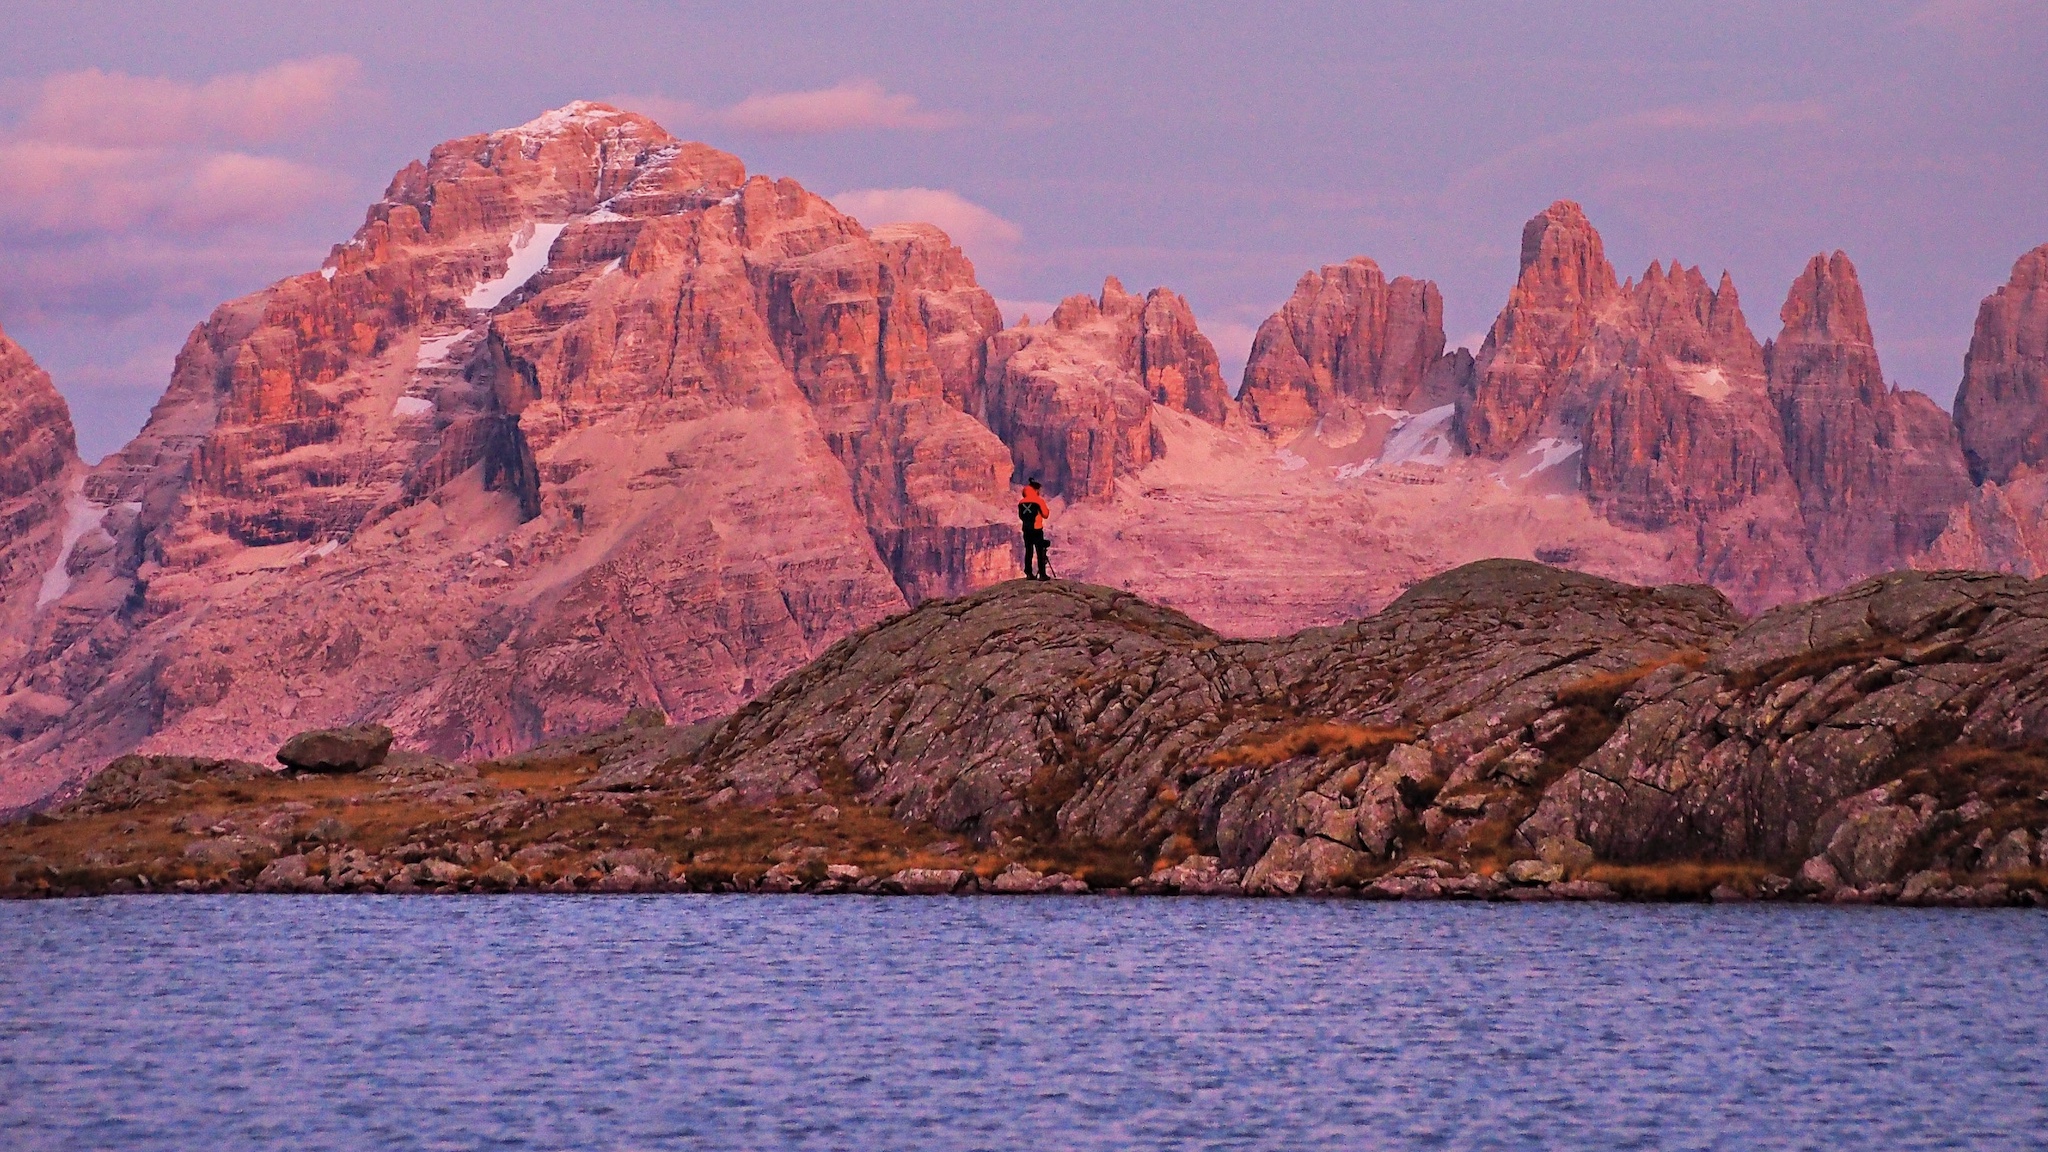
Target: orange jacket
(1033,496)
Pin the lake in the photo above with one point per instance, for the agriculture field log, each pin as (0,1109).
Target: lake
(1034,1023)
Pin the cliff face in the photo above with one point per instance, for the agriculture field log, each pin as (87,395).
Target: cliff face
(1074,397)
(1681,433)
(1348,335)
(40,530)
(1565,286)
(2002,406)
(1879,471)
(36,440)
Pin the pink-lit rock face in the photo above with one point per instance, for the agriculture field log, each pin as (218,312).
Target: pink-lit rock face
(1879,471)
(1565,285)
(2002,406)
(36,443)
(43,527)
(1348,335)
(1074,397)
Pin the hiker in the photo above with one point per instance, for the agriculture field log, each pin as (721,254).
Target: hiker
(1034,512)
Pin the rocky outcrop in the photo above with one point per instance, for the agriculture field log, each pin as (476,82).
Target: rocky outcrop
(1894,727)
(1349,335)
(2002,405)
(1073,397)
(1879,470)
(1098,717)
(1504,731)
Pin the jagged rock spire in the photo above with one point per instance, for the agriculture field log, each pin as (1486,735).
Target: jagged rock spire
(2002,405)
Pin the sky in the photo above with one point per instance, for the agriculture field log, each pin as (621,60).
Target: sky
(156,160)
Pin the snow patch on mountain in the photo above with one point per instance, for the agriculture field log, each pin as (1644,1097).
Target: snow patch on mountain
(81,516)
(530,248)
(1424,438)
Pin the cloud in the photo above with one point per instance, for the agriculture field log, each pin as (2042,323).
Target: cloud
(1631,132)
(980,233)
(98,152)
(112,109)
(854,106)
(58,190)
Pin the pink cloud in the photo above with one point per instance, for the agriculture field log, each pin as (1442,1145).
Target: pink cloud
(66,189)
(56,189)
(103,152)
(980,233)
(114,109)
(234,187)
(857,105)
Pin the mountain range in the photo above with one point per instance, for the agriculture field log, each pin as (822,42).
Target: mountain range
(585,419)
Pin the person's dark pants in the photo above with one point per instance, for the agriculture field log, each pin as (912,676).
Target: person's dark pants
(1035,551)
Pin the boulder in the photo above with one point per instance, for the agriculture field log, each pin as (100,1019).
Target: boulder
(284,874)
(1535,872)
(336,750)
(1565,852)
(2013,852)
(926,881)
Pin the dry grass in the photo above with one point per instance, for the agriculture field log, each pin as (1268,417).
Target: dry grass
(1818,662)
(1312,738)
(1678,880)
(1602,690)
(2013,782)
(716,846)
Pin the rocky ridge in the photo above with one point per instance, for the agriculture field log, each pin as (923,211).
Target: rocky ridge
(1505,731)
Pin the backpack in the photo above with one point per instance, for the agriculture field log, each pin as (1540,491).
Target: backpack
(1027,511)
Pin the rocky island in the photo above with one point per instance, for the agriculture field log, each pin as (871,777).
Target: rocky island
(1505,731)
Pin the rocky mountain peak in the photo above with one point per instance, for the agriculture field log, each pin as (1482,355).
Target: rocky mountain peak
(2002,405)
(1879,471)
(1348,335)
(1178,363)
(1826,304)
(1693,323)
(36,438)
(1073,397)
(1563,259)
(1564,284)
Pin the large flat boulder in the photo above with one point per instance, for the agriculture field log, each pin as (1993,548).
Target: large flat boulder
(351,749)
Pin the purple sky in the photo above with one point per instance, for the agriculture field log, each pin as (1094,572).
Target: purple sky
(158,159)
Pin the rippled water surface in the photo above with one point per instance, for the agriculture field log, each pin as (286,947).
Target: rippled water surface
(766,1022)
